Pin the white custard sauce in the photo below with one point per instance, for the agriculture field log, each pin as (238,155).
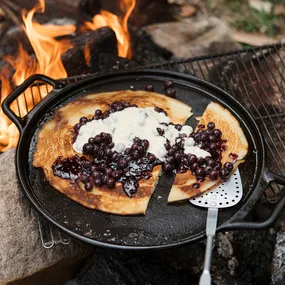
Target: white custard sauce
(133,122)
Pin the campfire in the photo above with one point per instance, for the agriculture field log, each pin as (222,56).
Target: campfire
(49,44)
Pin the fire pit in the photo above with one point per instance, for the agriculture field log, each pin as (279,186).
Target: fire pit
(255,77)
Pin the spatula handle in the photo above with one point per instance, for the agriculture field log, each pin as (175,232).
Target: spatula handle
(212,219)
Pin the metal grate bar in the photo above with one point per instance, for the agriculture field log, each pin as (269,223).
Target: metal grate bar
(50,235)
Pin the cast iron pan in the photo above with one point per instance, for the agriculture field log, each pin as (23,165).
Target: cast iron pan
(164,225)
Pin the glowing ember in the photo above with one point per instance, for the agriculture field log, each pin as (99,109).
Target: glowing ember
(47,60)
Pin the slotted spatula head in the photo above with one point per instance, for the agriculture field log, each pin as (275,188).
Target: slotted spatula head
(225,195)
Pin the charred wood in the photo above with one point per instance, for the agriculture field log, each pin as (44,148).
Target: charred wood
(87,9)
(98,41)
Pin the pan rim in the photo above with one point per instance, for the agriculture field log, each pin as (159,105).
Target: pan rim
(133,72)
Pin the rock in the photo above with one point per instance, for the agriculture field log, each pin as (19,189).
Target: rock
(261,6)
(193,37)
(21,251)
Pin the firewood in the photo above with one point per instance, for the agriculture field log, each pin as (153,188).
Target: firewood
(100,40)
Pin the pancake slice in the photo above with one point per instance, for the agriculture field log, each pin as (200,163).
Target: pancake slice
(236,143)
(55,139)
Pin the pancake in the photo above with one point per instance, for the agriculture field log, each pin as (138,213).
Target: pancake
(55,140)
(236,143)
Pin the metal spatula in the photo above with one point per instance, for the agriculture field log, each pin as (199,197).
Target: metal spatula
(225,195)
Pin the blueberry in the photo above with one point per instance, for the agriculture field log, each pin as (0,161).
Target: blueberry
(83,120)
(170,159)
(212,138)
(77,127)
(200,178)
(191,158)
(208,170)
(181,169)
(115,157)
(94,167)
(108,152)
(88,186)
(95,149)
(229,166)
(140,149)
(194,166)
(127,151)
(98,182)
(175,148)
(209,132)
(167,167)
(197,137)
(218,165)
(108,171)
(111,145)
(178,127)
(185,161)
(110,182)
(140,161)
(200,172)
(224,173)
(128,158)
(87,148)
(167,146)
(97,139)
(91,140)
(122,163)
(145,144)
(149,87)
(196,185)
(213,146)
(204,138)
(177,156)
(96,174)
(98,112)
(84,178)
(201,160)
(217,133)
(213,175)
(211,162)
(168,84)
(160,131)
(117,174)
(103,136)
(136,154)
(151,157)
(171,92)
(211,125)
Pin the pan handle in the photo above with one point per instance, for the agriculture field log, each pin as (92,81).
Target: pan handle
(18,121)
(269,177)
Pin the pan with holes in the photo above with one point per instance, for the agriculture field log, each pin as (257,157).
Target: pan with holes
(164,225)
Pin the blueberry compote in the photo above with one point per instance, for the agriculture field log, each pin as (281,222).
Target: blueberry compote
(108,166)
(103,165)
(207,138)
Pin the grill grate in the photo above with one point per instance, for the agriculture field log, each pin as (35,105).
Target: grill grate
(255,77)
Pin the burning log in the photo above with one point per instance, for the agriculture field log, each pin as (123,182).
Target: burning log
(86,49)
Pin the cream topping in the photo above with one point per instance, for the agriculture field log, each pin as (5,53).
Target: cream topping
(143,123)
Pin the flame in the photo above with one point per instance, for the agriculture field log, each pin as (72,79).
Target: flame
(118,24)
(47,60)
